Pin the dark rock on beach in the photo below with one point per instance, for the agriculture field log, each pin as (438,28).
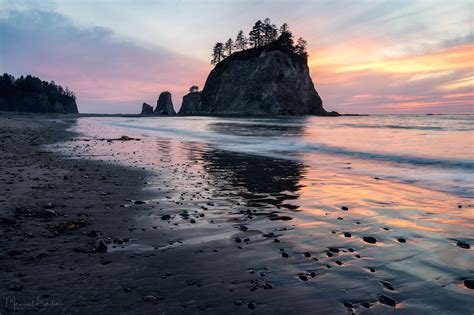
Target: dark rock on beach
(100,246)
(463,245)
(469,283)
(370,239)
(164,105)
(387,301)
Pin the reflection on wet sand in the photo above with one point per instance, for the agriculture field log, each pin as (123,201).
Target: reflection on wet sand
(341,241)
(259,181)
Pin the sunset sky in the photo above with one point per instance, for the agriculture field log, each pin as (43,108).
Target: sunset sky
(391,56)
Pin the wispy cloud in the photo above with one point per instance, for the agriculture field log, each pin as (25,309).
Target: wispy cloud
(403,56)
(108,74)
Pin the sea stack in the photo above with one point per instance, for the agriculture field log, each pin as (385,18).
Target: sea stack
(147,109)
(164,105)
(190,103)
(269,80)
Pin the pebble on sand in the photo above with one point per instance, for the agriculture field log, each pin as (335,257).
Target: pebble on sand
(100,246)
(370,239)
(469,283)
(387,301)
(343,208)
(463,245)
(251,305)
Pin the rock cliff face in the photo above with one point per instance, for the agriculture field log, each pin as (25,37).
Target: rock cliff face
(190,103)
(262,81)
(164,105)
(147,109)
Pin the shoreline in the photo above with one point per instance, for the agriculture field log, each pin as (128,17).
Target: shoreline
(190,230)
(53,211)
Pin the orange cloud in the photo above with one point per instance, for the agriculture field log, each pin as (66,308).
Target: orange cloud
(358,76)
(459,95)
(467,82)
(460,57)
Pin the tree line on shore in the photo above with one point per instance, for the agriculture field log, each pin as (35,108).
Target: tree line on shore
(262,34)
(23,85)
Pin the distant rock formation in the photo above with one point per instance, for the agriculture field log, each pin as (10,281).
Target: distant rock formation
(164,105)
(269,80)
(147,109)
(30,94)
(190,103)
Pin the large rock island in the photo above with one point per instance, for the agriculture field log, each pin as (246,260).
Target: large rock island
(264,81)
(30,94)
(265,74)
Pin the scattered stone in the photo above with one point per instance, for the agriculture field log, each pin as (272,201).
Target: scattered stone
(243,228)
(344,208)
(370,239)
(347,234)
(139,202)
(307,254)
(165,217)
(463,245)
(303,277)
(348,304)
(388,285)
(401,240)
(469,283)
(100,246)
(281,218)
(285,255)
(268,286)
(251,305)
(387,301)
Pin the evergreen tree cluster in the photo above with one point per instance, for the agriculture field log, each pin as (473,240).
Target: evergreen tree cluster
(29,93)
(29,84)
(262,34)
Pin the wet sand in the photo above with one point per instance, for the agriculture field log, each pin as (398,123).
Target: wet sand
(193,229)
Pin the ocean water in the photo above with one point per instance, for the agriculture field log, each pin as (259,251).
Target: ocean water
(430,151)
(405,180)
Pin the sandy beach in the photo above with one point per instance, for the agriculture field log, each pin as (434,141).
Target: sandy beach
(193,229)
